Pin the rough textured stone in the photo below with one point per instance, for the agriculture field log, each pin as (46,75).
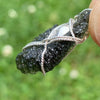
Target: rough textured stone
(29,60)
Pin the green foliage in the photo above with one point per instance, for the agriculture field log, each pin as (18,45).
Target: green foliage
(20,22)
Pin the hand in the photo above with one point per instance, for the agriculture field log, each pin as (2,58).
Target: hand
(94,23)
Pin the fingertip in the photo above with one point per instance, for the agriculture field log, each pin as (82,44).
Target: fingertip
(94,22)
(93,2)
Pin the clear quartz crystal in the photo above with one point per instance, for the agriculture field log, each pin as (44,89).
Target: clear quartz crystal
(63,30)
(60,30)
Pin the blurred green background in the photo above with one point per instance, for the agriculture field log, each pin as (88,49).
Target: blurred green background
(77,77)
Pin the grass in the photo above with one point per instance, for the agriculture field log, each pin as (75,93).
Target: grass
(57,84)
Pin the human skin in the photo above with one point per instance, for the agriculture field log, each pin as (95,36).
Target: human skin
(94,22)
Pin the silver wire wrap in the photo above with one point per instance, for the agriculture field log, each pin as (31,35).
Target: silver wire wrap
(51,39)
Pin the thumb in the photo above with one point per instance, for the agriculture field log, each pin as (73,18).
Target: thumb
(94,23)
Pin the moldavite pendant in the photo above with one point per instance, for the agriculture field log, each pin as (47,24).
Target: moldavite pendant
(50,47)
